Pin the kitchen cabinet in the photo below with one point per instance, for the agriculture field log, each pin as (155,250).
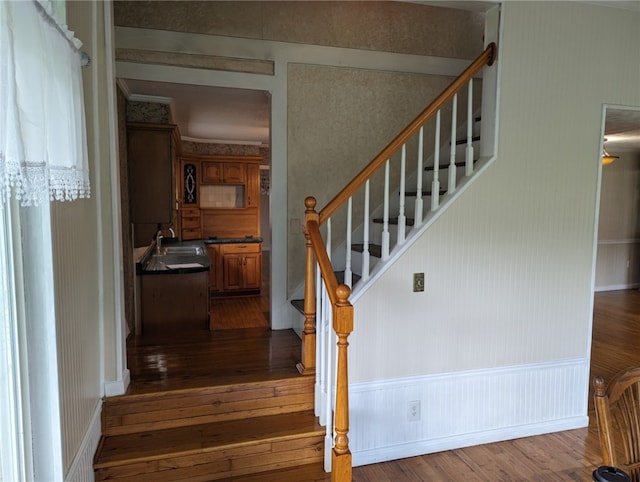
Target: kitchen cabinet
(215,272)
(190,224)
(151,154)
(241,266)
(220,172)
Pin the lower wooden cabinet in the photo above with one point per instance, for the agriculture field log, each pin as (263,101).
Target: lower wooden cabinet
(215,272)
(241,266)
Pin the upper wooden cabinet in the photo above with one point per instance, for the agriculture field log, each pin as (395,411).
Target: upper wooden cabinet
(151,156)
(225,191)
(220,172)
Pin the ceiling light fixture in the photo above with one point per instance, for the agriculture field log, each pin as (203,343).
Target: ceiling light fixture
(606,157)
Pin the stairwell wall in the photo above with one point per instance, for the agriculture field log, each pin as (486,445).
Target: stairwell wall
(498,344)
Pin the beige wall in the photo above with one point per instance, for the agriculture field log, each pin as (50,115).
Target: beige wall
(384,26)
(509,268)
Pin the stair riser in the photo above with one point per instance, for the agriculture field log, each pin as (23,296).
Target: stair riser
(169,410)
(221,463)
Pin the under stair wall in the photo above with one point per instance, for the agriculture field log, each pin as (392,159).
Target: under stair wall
(497,346)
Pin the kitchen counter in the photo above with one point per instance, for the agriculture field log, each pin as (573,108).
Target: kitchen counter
(216,240)
(178,300)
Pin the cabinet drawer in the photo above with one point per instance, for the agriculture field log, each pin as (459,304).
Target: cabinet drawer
(191,212)
(191,233)
(240,248)
(190,223)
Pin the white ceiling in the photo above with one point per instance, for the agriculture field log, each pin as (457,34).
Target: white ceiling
(209,114)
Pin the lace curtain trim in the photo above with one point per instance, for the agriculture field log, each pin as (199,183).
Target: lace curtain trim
(43,147)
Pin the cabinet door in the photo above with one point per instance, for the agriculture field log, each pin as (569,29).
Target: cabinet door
(234,173)
(150,162)
(251,271)
(212,172)
(215,272)
(232,271)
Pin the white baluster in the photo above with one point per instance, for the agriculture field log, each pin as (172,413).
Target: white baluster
(385,216)
(348,278)
(435,185)
(321,346)
(452,156)
(419,203)
(469,151)
(328,241)
(329,401)
(402,219)
(365,245)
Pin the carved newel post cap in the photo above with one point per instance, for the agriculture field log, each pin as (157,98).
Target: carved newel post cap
(343,292)
(310,203)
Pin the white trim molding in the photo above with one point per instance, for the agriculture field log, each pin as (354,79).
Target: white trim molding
(465,408)
(117,387)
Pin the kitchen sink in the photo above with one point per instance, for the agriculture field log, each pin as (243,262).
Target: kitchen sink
(182,250)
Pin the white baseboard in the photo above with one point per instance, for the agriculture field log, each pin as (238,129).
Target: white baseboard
(81,469)
(455,442)
(465,408)
(117,387)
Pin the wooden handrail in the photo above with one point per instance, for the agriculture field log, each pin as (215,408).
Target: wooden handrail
(486,58)
(326,269)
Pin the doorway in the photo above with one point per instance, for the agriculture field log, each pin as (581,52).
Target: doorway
(212,121)
(618,236)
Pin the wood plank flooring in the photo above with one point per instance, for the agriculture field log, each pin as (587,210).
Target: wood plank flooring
(186,361)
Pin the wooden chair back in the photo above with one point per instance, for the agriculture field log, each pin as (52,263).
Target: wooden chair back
(618,416)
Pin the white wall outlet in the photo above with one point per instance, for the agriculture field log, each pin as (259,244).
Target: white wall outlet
(413,411)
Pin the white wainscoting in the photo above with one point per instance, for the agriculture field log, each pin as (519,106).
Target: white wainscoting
(81,469)
(464,409)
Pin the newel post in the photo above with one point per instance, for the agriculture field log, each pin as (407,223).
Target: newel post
(308,363)
(341,470)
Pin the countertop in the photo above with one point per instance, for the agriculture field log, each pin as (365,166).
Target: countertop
(248,239)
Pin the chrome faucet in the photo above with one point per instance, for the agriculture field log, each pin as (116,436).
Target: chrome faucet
(173,233)
(158,241)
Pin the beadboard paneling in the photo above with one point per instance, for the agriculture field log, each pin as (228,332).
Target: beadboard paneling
(460,409)
(78,322)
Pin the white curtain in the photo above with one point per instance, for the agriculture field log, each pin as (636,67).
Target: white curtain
(43,147)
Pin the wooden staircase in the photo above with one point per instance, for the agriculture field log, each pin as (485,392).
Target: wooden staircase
(258,425)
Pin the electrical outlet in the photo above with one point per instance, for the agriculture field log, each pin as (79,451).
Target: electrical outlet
(418,282)
(413,411)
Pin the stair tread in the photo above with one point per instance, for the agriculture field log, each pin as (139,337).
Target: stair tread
(374,249)
(459,142)
(394,221)
(424,193)
(196,439)
(301,473)
(445,166)
(221,385)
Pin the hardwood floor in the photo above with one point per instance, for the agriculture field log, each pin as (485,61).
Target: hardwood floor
(215,357)
(241,312)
